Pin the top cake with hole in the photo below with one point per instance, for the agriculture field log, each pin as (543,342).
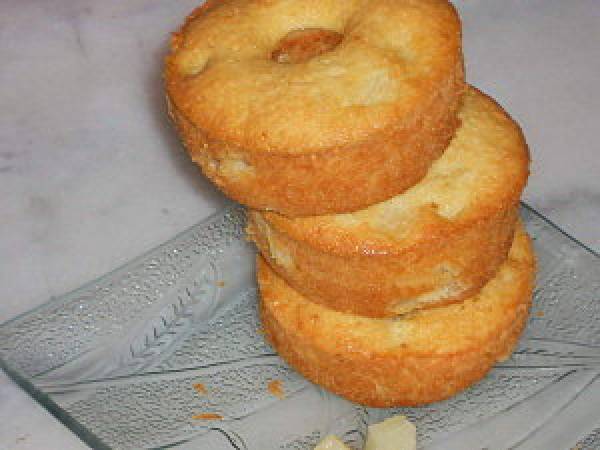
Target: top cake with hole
(312,107)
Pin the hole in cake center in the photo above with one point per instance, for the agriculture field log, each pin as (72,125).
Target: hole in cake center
(299,46)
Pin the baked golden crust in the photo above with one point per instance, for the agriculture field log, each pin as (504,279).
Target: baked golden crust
(437,243)
(374,111)
(435,274)
(418,358)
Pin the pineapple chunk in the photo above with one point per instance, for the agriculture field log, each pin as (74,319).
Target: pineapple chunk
(331,443)
(395,433)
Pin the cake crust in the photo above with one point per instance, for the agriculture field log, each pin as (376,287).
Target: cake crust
(374,111)
(418,358)
(437,243)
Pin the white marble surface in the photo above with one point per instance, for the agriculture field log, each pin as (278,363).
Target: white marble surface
(91,174)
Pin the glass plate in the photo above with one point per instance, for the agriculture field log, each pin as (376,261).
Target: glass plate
(167,352)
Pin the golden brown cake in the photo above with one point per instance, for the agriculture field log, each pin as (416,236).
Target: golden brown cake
(437,243)
(316,106)
(421,357)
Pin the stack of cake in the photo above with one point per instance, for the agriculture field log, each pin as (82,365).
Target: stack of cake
(383,191)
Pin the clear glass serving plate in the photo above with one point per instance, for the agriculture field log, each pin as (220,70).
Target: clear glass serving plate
(167,352)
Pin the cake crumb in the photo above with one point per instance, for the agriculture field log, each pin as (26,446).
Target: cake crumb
(275,387)
(200,388)
(207,416)
(539,313)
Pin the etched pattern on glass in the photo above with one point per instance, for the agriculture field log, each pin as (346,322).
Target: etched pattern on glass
(167,352)
(591,442)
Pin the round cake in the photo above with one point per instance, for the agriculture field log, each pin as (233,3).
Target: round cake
(289,105)
(437,243)
(421,357)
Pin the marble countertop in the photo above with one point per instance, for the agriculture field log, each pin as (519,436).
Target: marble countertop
(91,173)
